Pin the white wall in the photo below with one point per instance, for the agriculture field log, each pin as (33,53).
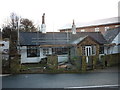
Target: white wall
(62,58)
(117,39)
(25,59)
(113,49)
(105,50)
(6,45)
(4,49)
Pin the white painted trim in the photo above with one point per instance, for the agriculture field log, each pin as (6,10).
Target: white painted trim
(87,48)
(93,86)
(2,75)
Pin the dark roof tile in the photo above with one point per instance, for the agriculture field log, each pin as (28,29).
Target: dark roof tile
(111,34)
(60,38)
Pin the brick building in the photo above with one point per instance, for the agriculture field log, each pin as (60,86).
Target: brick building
(96,26)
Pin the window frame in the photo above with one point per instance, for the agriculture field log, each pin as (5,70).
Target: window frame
(106,28)
(45,51)
(101,50)
(33,51)
(82,30)
(97,29)
(93,50)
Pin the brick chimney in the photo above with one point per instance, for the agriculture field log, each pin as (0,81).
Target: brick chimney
(43,26)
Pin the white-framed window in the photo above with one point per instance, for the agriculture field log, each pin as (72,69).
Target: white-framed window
(106,28)
(97,29)
(88,50)
(82,30)
(117,25)
(60,51)
(33,51)
(45,51)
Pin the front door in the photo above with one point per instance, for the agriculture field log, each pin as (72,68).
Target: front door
(88,52)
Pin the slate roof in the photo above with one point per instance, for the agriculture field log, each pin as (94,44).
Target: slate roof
(111,34)
(78,40)
(95,35)
(57,38)
(34,38)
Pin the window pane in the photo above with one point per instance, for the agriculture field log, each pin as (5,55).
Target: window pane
(93,50)
(83,50)
(96,29)
(101,51)
(33,51)
(45,51)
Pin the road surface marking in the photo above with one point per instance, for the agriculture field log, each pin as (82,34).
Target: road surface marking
(93,86)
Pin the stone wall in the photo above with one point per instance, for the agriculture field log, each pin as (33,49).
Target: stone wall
(87,41)
(111,59)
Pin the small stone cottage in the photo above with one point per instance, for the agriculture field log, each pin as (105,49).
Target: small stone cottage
(34,46)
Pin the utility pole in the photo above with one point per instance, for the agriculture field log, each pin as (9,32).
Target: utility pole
(18,35)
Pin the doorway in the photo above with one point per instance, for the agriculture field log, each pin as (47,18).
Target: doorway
(88,52)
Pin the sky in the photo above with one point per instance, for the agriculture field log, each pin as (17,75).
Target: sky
(58,13)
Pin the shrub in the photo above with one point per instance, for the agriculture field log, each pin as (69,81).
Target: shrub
(15,65)
(84,64)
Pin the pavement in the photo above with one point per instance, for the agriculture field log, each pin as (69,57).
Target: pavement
(106,69)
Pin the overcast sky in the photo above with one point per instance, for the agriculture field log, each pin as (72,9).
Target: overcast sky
(58,13)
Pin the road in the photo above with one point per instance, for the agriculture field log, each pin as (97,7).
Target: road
(99,78)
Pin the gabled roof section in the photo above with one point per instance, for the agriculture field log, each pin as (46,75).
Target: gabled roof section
(97,36)
(77,40)
(111,34)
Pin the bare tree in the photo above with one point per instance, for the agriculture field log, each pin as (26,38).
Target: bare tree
(26,25)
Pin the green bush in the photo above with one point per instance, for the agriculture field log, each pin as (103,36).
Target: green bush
(52,62)
(5,66)
(15,65)
(95,60)
(76,61)
(73,59)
